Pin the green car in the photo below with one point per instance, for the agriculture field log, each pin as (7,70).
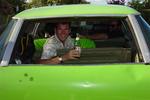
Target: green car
(112,68)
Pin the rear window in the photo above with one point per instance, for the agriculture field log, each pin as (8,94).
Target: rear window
(102,40)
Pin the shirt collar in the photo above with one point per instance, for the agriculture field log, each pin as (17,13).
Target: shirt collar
(60,41)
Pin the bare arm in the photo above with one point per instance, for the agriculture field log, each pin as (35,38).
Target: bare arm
(100,36)
(97,36)
(54,60)
(71,55)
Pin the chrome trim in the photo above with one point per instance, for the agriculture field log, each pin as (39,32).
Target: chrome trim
(35,29)
(11,43)
(140,39)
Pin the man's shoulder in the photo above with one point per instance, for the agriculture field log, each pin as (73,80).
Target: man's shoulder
(51,40)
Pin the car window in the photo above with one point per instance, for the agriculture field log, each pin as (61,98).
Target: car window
(5,36)
(102,40)
(145,27)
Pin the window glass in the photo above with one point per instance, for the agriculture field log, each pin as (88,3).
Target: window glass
(5,36)
(145,27)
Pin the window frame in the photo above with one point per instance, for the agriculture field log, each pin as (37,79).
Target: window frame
(87,18)
(141,42)
(11,42)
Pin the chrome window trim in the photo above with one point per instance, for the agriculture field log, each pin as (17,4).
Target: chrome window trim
(35,29)
(140,38)
(11,43)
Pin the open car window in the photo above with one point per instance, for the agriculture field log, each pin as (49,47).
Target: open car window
(103,40)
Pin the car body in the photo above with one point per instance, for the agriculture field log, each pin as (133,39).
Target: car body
(115,72)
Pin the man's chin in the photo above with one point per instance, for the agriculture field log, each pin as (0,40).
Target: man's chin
(63,39)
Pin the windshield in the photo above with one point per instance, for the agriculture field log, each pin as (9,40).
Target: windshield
(4,37)
(145,27)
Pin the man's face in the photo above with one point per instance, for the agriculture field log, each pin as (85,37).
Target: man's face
(114,26)
(62,31)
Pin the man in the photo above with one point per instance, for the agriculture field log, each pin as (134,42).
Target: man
(115,30)
(60,40)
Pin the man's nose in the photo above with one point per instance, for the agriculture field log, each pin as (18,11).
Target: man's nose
(63,31)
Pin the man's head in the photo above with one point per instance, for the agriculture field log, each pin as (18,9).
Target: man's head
(62,30)
(114,26)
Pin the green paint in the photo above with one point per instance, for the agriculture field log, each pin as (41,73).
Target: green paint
(84,42)
(91,82)
(76,10)
(39,43)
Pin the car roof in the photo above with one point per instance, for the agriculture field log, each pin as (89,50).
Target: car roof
(76,10)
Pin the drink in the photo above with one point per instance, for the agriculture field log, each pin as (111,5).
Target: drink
(77,43)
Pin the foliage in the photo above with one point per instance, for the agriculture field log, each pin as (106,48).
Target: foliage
(16,3)
(137,5)
(146,11)
(147,4)
(39,3)
(143,8)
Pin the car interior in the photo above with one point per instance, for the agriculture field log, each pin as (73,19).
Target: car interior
(112,39)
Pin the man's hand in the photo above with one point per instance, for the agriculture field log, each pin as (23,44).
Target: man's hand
(54,60)
(71,55)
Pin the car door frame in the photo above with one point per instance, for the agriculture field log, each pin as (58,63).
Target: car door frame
(140,38)
(11,43)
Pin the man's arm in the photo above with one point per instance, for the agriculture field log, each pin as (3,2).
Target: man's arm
(98,36)
(71,55)
(54,60)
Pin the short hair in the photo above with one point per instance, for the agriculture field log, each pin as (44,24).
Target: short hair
(63,23)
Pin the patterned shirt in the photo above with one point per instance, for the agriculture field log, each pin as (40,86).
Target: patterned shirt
(53,44)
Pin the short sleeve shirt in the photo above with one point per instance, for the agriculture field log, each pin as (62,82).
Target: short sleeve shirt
(53,44)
